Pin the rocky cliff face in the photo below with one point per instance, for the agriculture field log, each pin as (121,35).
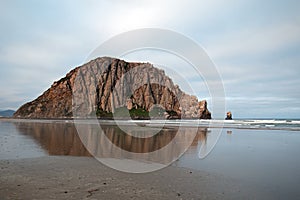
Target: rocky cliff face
(107,84)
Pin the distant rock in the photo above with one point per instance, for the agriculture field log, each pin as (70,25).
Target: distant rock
(204,113)
(107,85)
(6,113)
(228,116)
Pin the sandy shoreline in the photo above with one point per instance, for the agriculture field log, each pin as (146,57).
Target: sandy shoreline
(67,177)
(237,170)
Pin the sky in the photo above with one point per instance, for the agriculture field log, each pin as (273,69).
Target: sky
(255,46)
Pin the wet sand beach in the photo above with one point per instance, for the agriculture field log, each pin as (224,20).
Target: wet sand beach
(47,160)
(67,177)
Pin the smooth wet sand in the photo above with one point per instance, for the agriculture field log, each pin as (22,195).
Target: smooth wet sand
(68,177)
(46,160)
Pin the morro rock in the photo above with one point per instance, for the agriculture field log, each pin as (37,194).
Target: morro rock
(105,86)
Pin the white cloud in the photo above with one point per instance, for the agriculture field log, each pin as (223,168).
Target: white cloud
(255,41)
(44,52)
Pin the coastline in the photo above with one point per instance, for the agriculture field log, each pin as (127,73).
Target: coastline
(68,177)
(250,124)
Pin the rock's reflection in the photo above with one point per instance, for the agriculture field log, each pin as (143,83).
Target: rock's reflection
(55,138)
(133,144)
(62,139)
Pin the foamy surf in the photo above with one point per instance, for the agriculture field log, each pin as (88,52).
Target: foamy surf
(274,124)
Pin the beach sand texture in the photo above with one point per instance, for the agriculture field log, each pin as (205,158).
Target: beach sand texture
(67,177)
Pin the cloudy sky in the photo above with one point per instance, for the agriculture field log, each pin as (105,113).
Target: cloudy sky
(255,45)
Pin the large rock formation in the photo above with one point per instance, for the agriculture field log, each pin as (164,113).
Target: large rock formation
(106,84)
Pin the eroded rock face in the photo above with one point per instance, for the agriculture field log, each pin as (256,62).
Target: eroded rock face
(107,84)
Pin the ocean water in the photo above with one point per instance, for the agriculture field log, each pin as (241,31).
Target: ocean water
(271,124)
(30,138)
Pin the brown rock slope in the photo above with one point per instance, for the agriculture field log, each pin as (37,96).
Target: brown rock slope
(105,85)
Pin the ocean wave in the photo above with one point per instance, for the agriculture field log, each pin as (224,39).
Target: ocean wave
(247,124)
(273,124)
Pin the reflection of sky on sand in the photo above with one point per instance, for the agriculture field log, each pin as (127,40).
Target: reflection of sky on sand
(14,145)
(268,158)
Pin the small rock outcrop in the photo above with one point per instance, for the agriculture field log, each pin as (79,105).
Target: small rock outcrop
(105,84)
(228,116)
(204,113)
